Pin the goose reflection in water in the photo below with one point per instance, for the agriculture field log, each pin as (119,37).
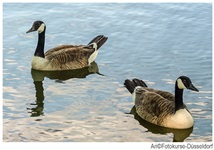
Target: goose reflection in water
(58,76)
(179,134)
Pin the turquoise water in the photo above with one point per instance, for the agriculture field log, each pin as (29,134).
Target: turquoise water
(156,42)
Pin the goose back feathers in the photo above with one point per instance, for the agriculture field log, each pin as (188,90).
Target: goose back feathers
(63,57)
(161,107)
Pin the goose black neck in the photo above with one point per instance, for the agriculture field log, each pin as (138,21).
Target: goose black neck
(178,98)
(40,45)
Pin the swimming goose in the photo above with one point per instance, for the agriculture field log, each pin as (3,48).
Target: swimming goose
(63,57)
(161,107)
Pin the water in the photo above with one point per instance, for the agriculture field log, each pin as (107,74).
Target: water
(155,42)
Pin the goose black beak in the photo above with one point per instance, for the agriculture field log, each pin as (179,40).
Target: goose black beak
(191,87)
(31,30)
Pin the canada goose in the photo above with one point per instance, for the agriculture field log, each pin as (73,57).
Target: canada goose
(161,107)
(63,57)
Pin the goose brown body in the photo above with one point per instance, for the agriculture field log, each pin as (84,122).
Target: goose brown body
(161,107)
(64,57)
(156,106)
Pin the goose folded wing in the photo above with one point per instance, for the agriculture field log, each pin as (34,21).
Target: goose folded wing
(154,108)
(165,94)
(69,54)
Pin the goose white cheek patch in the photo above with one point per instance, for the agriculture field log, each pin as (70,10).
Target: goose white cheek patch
(180,84)
(41,28)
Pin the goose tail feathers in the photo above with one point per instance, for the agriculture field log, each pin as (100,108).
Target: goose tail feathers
(139,82)
(99,40)
(131,85)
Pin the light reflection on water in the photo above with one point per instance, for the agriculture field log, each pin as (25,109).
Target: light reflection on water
(154,42)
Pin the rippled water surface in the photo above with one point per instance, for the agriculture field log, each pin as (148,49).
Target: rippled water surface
(155,42)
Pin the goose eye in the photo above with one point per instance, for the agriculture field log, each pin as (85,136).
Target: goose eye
(38,24)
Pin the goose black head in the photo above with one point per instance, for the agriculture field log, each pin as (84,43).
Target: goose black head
(37,26)
(184,82)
